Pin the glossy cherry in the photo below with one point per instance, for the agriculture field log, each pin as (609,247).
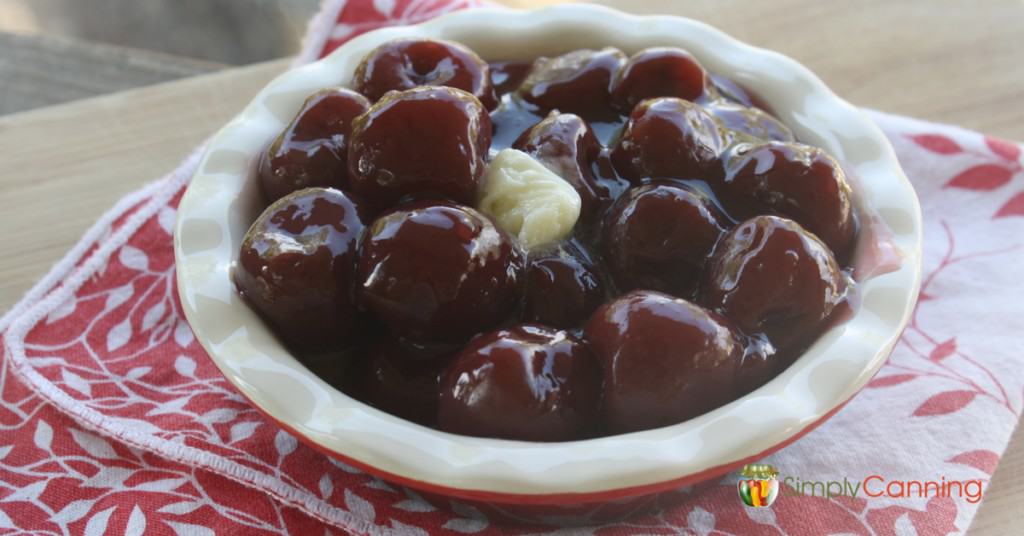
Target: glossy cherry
(761,362)
(528,382)
(313,149)
(423,141)
(798,181)
(724,88)
(566,145)
(332,365)
(400,378)
(297,262)
(669,137)
(563,286)
(507,75)
(658,237)
(771,276)
(658,72)
(407,63)
(578,82)
(750,121)
(433,270)
(664,360)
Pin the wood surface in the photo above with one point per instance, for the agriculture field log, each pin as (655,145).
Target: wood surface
(61,167)
(952,60)
(40,70)
(234,32)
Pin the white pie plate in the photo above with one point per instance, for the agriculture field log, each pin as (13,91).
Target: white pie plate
(222,200)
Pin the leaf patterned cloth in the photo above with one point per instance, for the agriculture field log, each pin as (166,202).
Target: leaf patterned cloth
(115,422)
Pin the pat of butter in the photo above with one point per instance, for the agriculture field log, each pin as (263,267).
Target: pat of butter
(528,200)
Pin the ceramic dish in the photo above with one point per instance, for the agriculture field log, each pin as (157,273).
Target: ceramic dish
(547,478)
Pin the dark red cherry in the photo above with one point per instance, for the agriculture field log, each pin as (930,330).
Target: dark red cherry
(312,150)
(750,121)
(669,137)
(566,145)
(407,63)
(730,91)
(761,362)
(664,359)
(401,379)
(529,382)
(658,72)
(331,364)
(771,276)
(578,82)
(658,237)
(438,271)
(798,181)
(296,266)
(563,286)
(507,75)
(428,140)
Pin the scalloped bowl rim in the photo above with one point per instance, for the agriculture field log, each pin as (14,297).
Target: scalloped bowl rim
(220,201)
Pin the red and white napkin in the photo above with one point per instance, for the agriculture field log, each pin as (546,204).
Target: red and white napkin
(114,421)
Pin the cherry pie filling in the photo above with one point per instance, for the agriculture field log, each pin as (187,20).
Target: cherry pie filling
(577,246)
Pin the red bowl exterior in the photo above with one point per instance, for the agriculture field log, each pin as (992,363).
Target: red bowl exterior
(560,509)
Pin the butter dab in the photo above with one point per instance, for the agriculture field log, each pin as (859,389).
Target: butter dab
(528,200)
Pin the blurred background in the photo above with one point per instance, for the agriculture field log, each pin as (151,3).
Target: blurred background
(53,51)
(80,48)
(945,60)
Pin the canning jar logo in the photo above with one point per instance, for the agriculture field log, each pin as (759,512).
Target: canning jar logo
(758,485)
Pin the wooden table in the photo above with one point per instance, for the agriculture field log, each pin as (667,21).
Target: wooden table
(956,61)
